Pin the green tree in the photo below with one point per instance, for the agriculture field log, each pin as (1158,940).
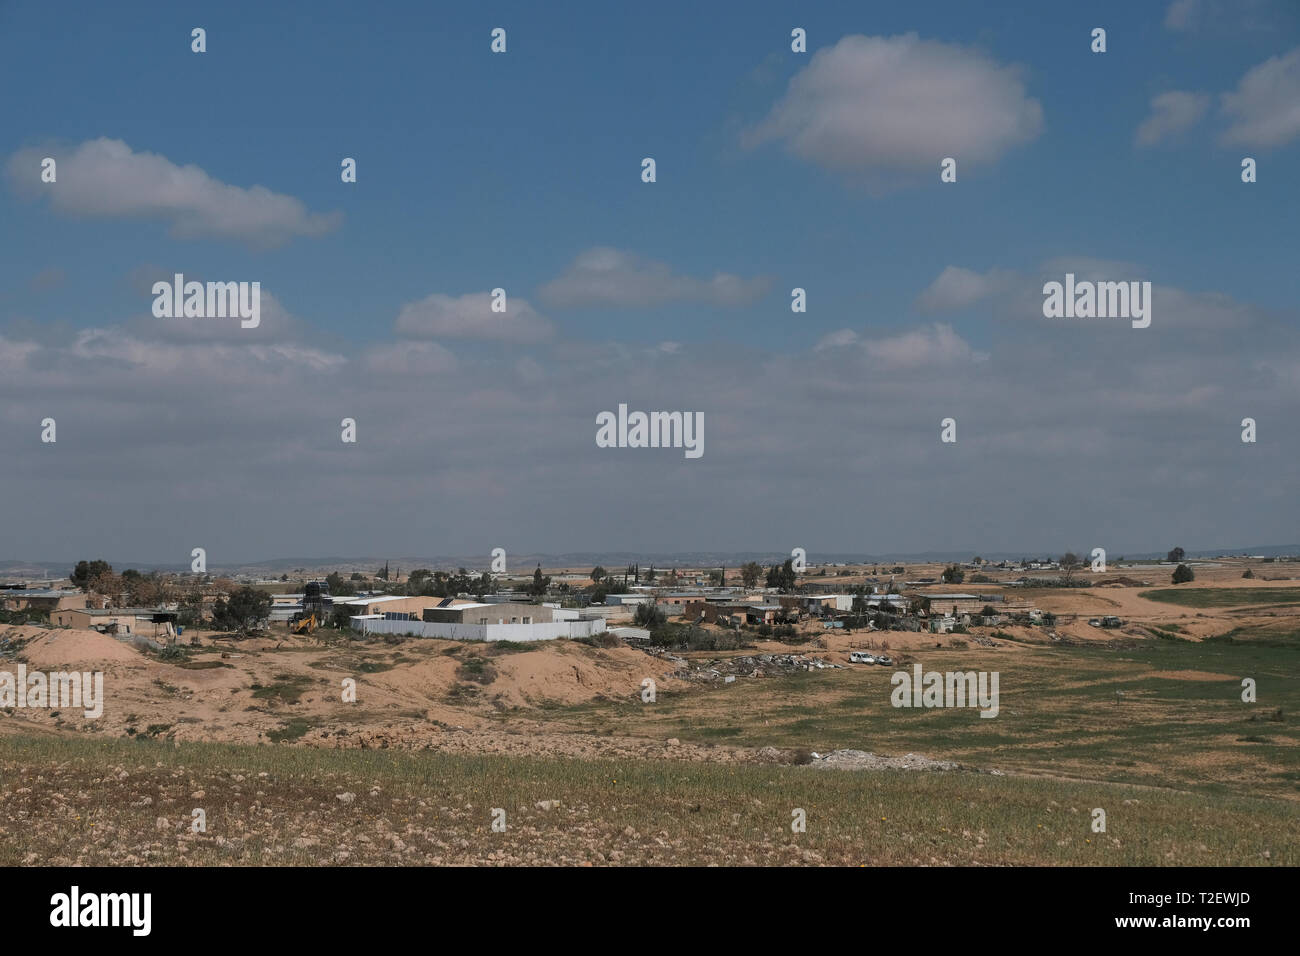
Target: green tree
(87,571)
(648,614)
(247,609)
(953,575)
(338,585)
(1175,555)
(597,574)
(750,572)
(1183,574)
(540,583)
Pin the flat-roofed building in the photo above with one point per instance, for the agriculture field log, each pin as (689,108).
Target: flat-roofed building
(40,599)
(484,613)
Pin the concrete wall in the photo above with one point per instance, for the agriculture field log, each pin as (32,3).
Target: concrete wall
(484,632)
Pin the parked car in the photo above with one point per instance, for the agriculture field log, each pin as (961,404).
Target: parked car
(1095,622)
(886,660)
(861,657)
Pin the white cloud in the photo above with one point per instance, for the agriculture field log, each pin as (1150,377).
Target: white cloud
(1171,113)
(841,338)
(470,316)
(933,346)
(1181,14)
(614,278)
(408,358)
(871,104)
(957,288)
(106,178)
(1265,108)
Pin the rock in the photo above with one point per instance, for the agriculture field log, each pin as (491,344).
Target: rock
(345,798)
(674,742)
(547,804)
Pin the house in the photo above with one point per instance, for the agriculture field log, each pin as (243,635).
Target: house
(120,621)
(942,625)
(40,599)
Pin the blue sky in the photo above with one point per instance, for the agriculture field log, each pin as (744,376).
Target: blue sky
(478,170)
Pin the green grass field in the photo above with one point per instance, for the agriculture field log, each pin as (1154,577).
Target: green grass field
(1223,597)
(77,801)
(1162,714)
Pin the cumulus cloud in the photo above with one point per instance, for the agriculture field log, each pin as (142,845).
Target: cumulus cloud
(1264,110)
(932,346)
(105,178)
(458,451)
(470,316)
(890,104)
(1171,113)
(1018,295)
(958,288)
(614,278)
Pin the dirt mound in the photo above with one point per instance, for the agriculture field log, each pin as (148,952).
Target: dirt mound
(52,649)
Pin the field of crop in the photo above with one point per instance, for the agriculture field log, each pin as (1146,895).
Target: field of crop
(79,801)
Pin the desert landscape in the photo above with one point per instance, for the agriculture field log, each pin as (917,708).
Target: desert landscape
(1145,719)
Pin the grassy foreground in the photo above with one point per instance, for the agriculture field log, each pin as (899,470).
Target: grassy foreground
(1162,713)
(124,802)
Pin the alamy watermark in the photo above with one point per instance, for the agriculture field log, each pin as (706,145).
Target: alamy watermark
(953,689)
(213,300)
(1098,300)
(651,430)
(57,690)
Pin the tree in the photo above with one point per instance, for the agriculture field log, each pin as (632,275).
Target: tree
(953,575)
(108,584)
(788,579)
(650,575)
(1069,564)
(1249,573)
(1183,574)
(750,572)
(338,585)
(597,574)
(190,612)
(782,576)
(540,583)
(87,571)
(1175,555)
(246,610)
(648,614)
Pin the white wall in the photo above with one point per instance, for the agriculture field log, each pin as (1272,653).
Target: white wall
(483,632)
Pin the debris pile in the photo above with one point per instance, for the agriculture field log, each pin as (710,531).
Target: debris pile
(758,665)
(862,760)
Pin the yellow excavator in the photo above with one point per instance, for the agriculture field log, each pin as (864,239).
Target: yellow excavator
(306,625)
